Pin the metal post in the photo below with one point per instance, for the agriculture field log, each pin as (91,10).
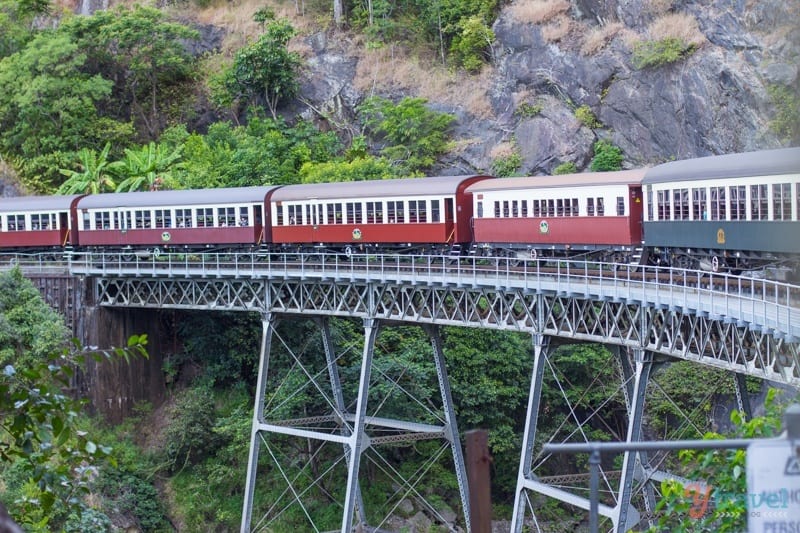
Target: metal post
(529,434)
(357,438)
(594,489)
(742,397)
(267,325)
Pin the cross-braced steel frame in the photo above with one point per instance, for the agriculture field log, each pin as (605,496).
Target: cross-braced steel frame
(640,330)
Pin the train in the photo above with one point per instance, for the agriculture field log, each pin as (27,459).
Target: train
(728,213)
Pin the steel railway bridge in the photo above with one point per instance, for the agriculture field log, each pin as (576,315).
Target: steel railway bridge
(748,327)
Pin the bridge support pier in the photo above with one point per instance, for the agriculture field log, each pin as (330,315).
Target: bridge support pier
(267,325)
(636,379)
(525,480)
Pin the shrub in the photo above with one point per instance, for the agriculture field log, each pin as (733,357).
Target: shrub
(661,52)
(471,43)
(567,167)
(607,157)
(527,110)
(586,117)
(786,122)
(507,165)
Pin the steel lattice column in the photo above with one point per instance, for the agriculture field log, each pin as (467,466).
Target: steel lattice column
(643,361)
(338,399)
(356,440)
(451,428)
(534,396)
(267,325)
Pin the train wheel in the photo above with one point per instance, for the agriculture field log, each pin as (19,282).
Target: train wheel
(715,264)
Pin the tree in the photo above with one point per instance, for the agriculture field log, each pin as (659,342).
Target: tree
(95,174)
(413,135)
(47,101)
(149,168)
(41,436)
(266,69)
(146,58)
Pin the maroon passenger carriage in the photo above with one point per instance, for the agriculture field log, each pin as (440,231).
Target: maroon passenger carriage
(412,213)
(211,219)
(597,215)
(34,223)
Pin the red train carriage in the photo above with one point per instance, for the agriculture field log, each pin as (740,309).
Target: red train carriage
(391,214)
(37,222)
(209,218)
(597,214)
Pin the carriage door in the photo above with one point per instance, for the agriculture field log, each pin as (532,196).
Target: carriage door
(64,229)
(636,210)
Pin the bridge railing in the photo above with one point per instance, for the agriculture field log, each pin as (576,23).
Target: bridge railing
(773,306)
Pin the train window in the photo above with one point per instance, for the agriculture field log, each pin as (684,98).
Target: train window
(163,218)
(515,208)
(102,220)
(649,202)
(295,214)
(699,210)
(353,213)
(681,204)
(395,212)
(781,201)
(374,212)
(422,210)
(184,218)
(718,211)
(506,213)
(560,207)
(143,218)
(278,214)
(759,202)
(524,208)
(601,211)
(620,206)
(226,216)
(738,196)
(497,210)
(16,222)
(412,211)
(797,207)
(1,222)
(205,217)
(480,210)
(590,207)
(40,221)
(663,205)
(244,220)
(435,213)
(575,207)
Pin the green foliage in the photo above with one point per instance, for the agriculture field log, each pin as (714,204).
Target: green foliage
(607,157)
(662,52)
(507,165)
(263,151)
(54,458)
(30,329)
(48,102)
(15,24)
(719,504)
(567,167)
(586,117)
(786,121)
(528,110)
(361,169)
(149,168)
(146,58)
(129,494)
(189,437)
(95,174)
(413,135)
(266,70)
(472,44)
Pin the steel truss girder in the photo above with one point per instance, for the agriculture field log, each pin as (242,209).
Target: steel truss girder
(719,341)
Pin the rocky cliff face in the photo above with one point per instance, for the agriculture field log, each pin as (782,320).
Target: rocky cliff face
(714,100)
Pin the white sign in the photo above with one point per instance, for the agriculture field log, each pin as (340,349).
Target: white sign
(773,487)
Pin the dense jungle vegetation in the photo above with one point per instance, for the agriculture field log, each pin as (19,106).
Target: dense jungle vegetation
(114,102)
